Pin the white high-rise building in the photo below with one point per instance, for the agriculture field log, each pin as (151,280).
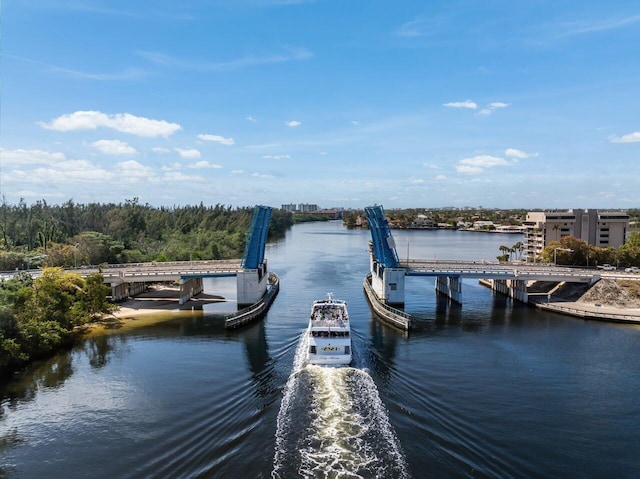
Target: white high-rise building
(597,228)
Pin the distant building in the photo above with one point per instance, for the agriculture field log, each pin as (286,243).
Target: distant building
(597,228)
(291,208)
(307,208)
(423,222)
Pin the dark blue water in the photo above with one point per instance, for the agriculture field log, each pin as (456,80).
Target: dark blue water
(487,389)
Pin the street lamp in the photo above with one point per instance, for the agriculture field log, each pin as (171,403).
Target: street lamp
(555,252)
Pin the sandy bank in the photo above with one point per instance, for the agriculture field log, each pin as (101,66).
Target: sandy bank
(159,303)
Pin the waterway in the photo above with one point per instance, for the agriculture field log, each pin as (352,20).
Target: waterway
(490,388)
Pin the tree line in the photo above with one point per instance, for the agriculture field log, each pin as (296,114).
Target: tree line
(72,234)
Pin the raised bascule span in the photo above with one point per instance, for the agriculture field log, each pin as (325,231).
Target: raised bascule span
(384,285)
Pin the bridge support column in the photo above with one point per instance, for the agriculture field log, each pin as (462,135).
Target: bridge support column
(514,288)
(189,288)
(451,286)
(518,290)
(500,286)
(252,284)
(388,283)
(119,291)
(136,288)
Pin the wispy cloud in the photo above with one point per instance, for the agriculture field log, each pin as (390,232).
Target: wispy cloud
(592,26)
(123,122)
(275,157)
(293,123)
(479,163)
(114,147)
(514,153)
(126,74)
(30,157)
(630,138)
(491,107)
(204,165)
(287,54)
(189,153)
(217,139)
(462,104)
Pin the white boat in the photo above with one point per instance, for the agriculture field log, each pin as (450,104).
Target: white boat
(329,333)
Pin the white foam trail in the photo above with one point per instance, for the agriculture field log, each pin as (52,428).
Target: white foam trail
(332,423)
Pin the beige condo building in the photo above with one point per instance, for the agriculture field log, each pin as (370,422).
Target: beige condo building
(597,228)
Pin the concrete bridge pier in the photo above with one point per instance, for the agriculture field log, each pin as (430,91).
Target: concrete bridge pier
(252,284)
(123,290)
(189,287)
(388,283)
(119,291)
(450,286)
(513,288)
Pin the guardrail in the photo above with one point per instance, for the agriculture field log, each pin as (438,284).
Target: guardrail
(391,315)
(588,314)
(256,310)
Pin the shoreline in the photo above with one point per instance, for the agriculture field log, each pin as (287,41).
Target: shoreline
(159,303)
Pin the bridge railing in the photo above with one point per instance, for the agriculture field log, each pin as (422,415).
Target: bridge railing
(588,313)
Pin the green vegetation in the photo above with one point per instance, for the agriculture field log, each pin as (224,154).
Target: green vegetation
(38,316)
(403,218)
(583,254)
(73,234)
(513,252)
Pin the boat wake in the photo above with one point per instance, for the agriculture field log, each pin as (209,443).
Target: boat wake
(332,423)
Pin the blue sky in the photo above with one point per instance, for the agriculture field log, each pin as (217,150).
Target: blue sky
(527,104)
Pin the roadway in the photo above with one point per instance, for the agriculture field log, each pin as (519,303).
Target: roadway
(514,270)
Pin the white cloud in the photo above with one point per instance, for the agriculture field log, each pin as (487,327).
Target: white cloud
(440,177)
(514,153)
(275,157)
(172,167)
(204,164)
(123,122)
(477,164)
(217,139)
(64,172)
(355,122)
(114,147)
(431,166)
(630,138)
(189,154)
(484,161)
(134,172)
(470,170)
(238,172)
(493,106)
(177,176)
(262,175)
(30,157)
(161,150)
(462,104)
(251,119)
(293,123)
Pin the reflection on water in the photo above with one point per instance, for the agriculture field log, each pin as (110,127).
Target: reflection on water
(489,388)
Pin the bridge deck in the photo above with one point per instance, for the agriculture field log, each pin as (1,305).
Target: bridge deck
(491,270)
(169,271)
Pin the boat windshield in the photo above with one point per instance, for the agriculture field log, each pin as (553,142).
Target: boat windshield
(330,334)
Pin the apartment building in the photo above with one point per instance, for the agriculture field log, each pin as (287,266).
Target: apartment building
(597,228)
